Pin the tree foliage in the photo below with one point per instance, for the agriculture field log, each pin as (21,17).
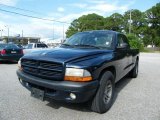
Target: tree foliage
(153,28)
(144,25)
(86,22)
(115,21)
(137,21)
(135,42)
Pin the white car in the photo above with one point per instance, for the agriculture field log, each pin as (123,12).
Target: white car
(31,47)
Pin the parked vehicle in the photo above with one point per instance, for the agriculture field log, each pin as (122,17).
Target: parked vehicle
(10,52)
(31,47)
(36,45)
(84,68)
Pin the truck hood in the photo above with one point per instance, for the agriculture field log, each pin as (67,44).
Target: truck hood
(65,54)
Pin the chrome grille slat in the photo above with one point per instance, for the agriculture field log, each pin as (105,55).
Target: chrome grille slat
(28,65)
(29,62)
(50,73)
(50,65)
(58,69)
(28,69)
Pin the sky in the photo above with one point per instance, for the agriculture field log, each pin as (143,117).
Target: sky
(64,11)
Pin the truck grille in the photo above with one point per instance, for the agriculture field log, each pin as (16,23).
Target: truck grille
(43,69)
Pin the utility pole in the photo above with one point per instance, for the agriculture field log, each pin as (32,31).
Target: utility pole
(130,18)
(1,32)
(8,32)
(22,36)
(63,32)
(53,30)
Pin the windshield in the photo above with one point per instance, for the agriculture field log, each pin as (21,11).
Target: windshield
(100,39)
(2,46)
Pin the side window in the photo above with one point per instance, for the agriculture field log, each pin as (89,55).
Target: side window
(41,46)
(45,46)
(121,40)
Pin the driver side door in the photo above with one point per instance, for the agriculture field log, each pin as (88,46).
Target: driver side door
(122,56)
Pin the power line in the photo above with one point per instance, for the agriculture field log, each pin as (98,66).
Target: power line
(32,16)
(19,8)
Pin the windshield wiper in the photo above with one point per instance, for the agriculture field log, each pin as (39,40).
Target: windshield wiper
(81,45)
(66,45)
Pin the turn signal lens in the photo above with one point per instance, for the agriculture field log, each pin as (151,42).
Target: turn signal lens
(78,79)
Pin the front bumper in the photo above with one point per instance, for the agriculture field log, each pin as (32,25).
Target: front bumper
(60,90)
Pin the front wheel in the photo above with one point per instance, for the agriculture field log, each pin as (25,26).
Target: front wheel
(103,99)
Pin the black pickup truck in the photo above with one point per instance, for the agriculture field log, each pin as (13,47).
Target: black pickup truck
(84,68)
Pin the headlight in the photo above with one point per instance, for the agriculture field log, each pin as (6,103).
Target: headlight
(73,74)
(19,64)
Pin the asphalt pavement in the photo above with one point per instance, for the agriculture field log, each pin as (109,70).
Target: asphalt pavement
(135,99)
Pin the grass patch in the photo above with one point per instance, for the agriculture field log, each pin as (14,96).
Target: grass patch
(149,51)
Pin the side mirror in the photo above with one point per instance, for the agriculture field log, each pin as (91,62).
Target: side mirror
(123,45)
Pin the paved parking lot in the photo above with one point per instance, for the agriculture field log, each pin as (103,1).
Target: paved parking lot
(136,99)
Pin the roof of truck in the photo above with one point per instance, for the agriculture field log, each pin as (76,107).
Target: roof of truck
(110,31)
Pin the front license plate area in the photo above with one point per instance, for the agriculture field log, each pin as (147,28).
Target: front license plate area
(37,93)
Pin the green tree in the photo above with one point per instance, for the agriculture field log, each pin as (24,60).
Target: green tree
(137,21)
(135,42)
(86,22)
(115,22)
(153,30)
(73,28)
(144,25)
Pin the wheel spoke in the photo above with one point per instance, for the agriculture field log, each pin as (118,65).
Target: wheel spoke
(108,92)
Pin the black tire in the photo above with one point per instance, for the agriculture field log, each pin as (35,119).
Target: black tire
(134,71)
(100,104)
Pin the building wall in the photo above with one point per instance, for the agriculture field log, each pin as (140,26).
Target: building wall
(20,40)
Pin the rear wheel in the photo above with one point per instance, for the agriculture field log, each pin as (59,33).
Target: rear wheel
(103,99)
(134,71)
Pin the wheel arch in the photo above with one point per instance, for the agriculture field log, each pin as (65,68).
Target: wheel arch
(137,59)
(112,69)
